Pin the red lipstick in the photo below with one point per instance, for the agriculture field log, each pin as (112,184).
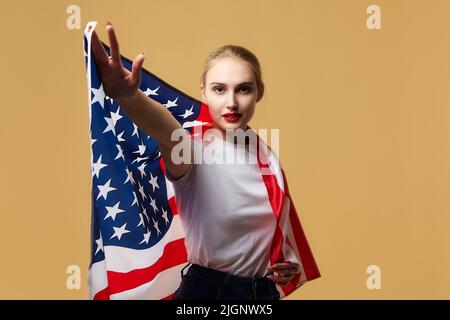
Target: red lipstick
(232,116)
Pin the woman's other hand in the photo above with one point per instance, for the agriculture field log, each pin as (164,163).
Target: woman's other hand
(283,272)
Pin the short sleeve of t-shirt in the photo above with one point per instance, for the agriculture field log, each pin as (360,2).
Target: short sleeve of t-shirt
(184,179)
(187,177)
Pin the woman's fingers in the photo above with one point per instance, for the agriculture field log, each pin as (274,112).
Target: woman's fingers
(136,68)
(275,268)
(114,44)
(286,271)
(284,267)
(99,51)
(281,280)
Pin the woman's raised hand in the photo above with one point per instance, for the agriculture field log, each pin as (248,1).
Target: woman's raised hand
(117,81)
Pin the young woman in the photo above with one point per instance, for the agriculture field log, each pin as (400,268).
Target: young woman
(229,232)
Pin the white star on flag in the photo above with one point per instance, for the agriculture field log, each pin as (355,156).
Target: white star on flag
(113,211)
(99,242)
(99,96)
(155,225)
(119,137)
(119,232)
(164,215)
(97,166)
(187,113)
(171,103)
(153,204)
(153,181)
(141,191)
(135,131)
(120,153)
(142,169)
(105,189)
(141,220)
(146,237)
(109,126)
(129,177)
(150,92)
(115,116)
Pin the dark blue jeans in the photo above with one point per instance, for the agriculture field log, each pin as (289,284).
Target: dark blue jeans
(201,283)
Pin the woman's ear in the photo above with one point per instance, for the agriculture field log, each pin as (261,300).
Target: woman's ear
(202,92)
(260,95)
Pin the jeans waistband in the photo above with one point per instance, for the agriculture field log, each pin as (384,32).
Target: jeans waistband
(218,277)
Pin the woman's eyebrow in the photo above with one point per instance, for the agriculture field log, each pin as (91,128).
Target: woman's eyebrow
(240,84)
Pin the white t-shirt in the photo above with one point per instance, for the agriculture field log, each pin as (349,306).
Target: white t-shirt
(225,210)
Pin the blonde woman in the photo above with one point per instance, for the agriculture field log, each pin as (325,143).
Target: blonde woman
(228,232)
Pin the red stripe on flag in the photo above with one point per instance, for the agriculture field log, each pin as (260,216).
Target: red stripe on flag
(204,117)
(306,256)
(102,295)
(204,114)
(276,197)
(173,205)
(119,282)
(161,163)
(291,285)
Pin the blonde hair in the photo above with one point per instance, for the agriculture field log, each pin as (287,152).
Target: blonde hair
(235,51)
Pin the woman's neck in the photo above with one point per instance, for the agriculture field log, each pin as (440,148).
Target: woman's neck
(222,134)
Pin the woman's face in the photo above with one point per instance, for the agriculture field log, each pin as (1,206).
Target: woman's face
(230,88)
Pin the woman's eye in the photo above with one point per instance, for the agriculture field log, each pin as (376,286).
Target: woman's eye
(215,88)
(246,89)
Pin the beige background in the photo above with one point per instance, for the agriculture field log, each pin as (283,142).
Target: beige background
(363,115)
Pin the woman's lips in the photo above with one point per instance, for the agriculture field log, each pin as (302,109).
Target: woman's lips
(232,117)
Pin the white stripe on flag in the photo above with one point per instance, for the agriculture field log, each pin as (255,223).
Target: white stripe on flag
(97,278)
(139,259)
(163,285)
(169,189)
(292,240)
(274,165)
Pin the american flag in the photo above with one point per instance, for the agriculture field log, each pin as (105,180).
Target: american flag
(137,239)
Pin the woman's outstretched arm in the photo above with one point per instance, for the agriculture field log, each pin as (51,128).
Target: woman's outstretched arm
(148,114)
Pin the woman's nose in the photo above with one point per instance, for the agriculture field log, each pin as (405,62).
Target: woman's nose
(232,102)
